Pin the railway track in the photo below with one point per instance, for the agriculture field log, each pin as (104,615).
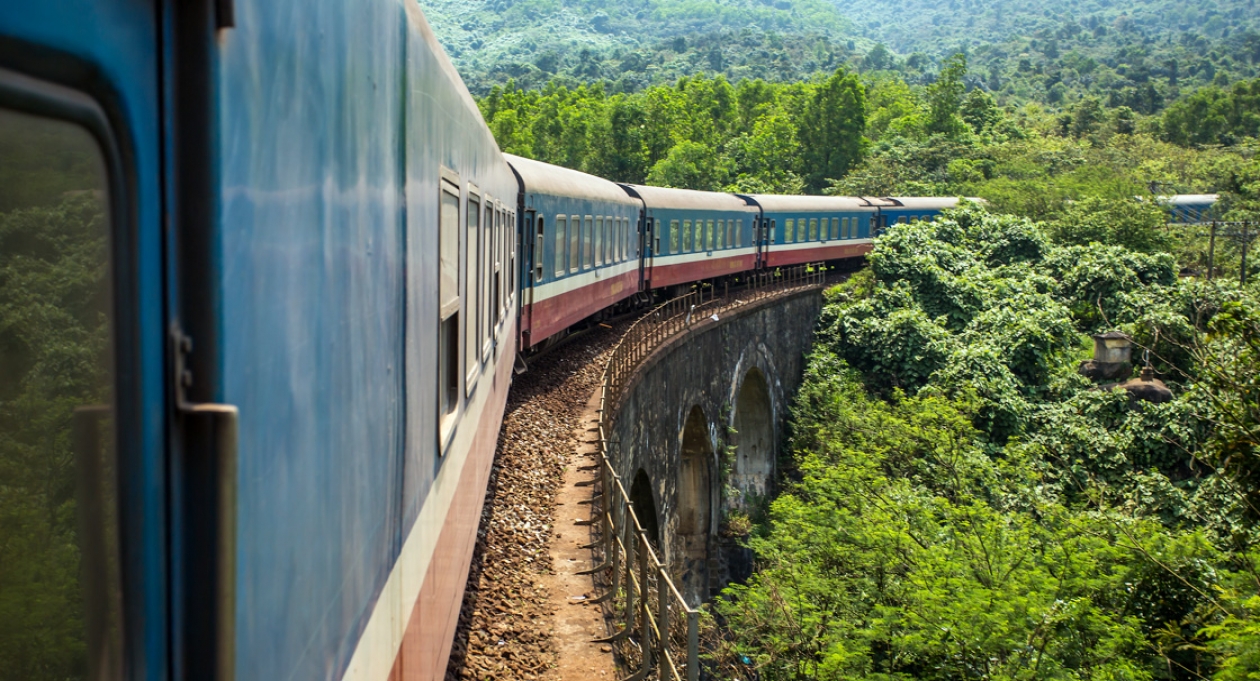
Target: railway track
(507,617)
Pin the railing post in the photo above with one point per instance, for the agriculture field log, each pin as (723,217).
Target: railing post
(645,614)
(693,645)
(662,592)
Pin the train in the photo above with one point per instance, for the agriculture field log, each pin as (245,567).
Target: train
(265,279)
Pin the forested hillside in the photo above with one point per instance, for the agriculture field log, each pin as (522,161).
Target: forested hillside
(1140,53)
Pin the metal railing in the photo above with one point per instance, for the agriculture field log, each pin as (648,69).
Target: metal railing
(636,579)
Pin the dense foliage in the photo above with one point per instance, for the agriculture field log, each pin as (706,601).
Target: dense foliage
(966,505)
(1140,54)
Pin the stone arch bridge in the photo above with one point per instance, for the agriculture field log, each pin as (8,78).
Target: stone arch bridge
(697,427)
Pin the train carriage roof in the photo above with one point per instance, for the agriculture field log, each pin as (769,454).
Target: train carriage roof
(778,203)
(928,202)
(553,180)
(1190,199)
(688,199)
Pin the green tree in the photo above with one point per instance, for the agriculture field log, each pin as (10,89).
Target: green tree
(945,98)
(832,127)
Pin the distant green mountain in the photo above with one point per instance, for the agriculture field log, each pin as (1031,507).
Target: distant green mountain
(1136,53)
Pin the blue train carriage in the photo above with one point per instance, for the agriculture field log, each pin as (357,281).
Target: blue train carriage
(296,328)
(369,256)
(694,235)
(813,228)
(904,209)
(1188,209)
(582,256)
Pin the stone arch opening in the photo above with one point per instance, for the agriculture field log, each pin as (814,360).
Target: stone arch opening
(753,470)
(644,505)
(695,503)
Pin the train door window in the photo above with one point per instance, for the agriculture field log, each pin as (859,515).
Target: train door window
(448,351)
(471,286)
(561,226)
(538,248)
(599,240)
(686,236)
(774,231)
(708,235)
(789,230)
(59,542)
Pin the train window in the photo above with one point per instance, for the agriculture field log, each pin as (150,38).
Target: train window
(487,280)
(902,219)
(835,228)
(774,226)
(471,285)
(496,266)
(708,235)
(609,239)
(59,543)
(599,240)
(448,352)
(588,242)
(675,235)
(624,240)
(721,233)
(813,229)
(575,243)
(538,249)
(686,236)
(789,230)
(510,282)
(561,225)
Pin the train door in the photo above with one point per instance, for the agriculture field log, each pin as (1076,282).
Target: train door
(106,410)
(533,224)
(645,258)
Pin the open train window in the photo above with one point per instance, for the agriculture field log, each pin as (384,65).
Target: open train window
(59,424)
(449,303)
(472,286)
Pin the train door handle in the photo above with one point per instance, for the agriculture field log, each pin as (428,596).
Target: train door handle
(211,434)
